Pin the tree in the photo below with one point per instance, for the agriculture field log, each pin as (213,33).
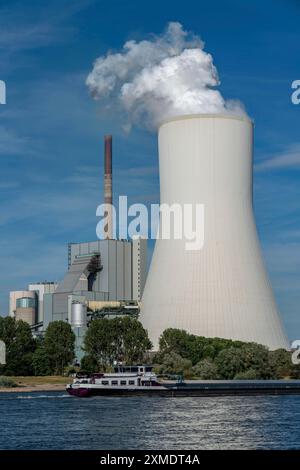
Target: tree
(229,363)
(177,341)
(59,345)
(280,363)
(133,342)
(88,365)
(192,347)
(41,363)
(7,329)
(99,342)
(233,359)
(236,360)
(120,339)
(20,346)
(206,370)
(173,363)
(256,357)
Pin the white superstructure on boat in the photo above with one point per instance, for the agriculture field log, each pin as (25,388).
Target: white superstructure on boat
(124,379)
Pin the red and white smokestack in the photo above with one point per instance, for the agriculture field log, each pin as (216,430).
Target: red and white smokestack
(108,199)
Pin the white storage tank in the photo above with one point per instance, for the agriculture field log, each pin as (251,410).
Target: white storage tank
(78,314)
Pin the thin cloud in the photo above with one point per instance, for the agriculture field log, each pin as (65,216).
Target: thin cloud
(288,159)
(37,26)
(13,144)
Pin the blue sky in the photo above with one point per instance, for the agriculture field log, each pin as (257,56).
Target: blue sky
(51,130)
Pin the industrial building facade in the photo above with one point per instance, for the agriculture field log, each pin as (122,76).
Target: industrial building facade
(104,275)
(28,305)
(121,266)
(120,276)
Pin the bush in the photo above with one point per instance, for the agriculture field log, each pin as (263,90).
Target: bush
(229,363)
(173,363)
(206,370)
(71,370)
(255,356)
(280,363)
(250,374)
(295,371)
(192,347)
(7,382)
(223,358)
(89,365)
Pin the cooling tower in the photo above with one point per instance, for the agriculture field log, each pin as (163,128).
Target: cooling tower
(221,290)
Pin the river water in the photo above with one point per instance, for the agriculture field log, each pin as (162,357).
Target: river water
(56,421)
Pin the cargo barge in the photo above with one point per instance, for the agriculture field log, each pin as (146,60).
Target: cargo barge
(140,380)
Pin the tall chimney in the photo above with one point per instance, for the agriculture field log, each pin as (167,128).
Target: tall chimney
(108,229)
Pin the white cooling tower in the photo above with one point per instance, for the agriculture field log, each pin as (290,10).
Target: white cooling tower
(223,289)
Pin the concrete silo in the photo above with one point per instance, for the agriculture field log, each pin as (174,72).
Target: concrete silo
(223,289)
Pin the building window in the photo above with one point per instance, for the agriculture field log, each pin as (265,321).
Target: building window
(131,382)
(123,382)
(105,382)
(114,382)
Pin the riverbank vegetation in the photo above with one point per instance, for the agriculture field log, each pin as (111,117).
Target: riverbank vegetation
(27,356)
(121,339)
(30,383)
(216,358)
(7,382)
(125,340)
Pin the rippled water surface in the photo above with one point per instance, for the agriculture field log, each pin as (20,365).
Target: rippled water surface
(57,421)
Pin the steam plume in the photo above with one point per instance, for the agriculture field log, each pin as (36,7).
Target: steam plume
(156,79)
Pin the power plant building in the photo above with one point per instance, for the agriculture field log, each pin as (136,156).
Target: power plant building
(104,278)
(41,288)
(23,306)
(221,290)
(16,295)
(100,271)
(29,305)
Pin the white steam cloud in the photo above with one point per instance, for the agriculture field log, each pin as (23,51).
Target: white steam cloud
(156,79)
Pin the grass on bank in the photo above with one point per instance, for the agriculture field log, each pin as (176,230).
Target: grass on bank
(19,381)
(7,382)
